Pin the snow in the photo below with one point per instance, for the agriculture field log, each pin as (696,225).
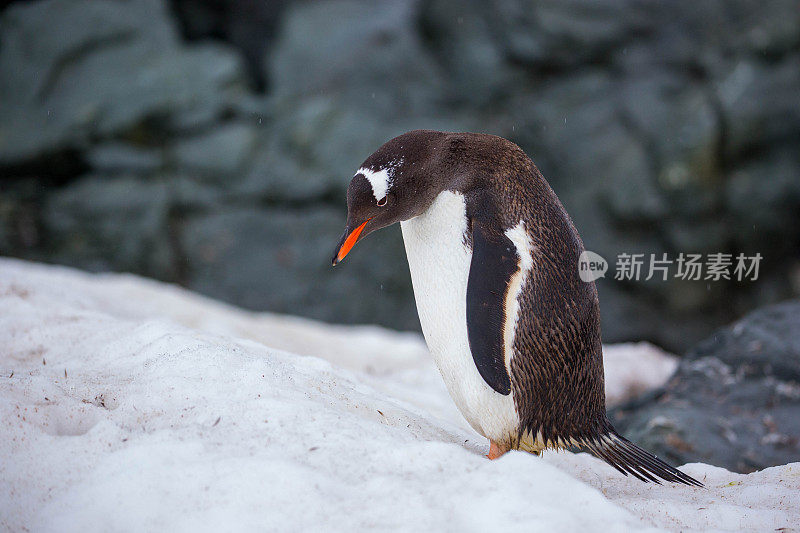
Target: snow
(129,405)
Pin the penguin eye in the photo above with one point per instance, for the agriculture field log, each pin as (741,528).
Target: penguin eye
(382,201)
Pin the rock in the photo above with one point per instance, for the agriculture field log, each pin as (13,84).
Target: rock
(565,33)
(569,126)
(705,37)
(316,147)
(770,183)
(218,154)
(119,224)
(74,70)
(341,90)
(117,157)
(249,25)
(325,142)
(676,120)
(624,314)
(734,400)
(280,259)
(370,56)
(462,42)
(760,104)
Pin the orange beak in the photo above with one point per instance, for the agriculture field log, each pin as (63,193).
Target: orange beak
(348,243)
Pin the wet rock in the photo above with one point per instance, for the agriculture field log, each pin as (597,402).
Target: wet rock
(370,56)
(249,25)
(760,104)
(565,33)
(772,184)
(676,120)
(117,157)
(218,154)
(107,223)
(462,43)
(279,259)
(74,70)
(734,400)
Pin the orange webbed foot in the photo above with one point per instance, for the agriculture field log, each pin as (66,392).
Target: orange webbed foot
(496,450)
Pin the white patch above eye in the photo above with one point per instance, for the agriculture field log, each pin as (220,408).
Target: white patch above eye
(381,180)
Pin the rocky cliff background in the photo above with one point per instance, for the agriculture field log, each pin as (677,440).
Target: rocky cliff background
(210,143)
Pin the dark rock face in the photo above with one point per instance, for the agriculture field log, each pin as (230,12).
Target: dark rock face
(734,400)
(191,141)
(293,257)
(74,71)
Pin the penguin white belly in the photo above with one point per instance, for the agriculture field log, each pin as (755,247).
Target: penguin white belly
(439,260)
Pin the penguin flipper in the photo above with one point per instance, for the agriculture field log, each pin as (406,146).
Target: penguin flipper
(494,262)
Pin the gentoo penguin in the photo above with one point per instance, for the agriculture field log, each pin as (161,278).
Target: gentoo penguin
(493,255)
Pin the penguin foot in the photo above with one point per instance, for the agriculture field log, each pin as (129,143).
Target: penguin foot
(496,450)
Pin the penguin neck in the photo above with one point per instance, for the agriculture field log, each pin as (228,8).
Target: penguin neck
(439,260)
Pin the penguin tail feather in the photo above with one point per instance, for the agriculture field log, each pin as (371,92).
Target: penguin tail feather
(628,458)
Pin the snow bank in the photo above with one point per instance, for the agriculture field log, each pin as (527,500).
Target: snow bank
(130,405)
(630,368)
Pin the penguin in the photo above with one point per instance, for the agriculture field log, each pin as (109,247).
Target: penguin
(493,255)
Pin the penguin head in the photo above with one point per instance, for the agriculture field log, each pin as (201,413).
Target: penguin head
(394,184)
